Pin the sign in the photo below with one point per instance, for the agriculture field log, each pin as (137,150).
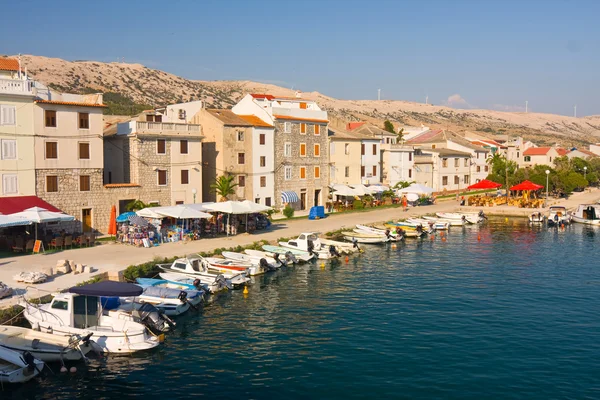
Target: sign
(146,242)
(38,246)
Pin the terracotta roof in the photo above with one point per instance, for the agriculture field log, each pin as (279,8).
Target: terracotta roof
(537,151)
(372,130)
(120,185)
(353,125)
(262,96)
(342,134)
(562,152)
(9,64)
(11,205)
(70,103)
(227,117)
(287,117)
(254,120)
(427,136)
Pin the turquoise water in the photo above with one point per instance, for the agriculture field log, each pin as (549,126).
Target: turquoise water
(513,315)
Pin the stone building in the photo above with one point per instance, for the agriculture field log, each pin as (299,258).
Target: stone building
(301,154)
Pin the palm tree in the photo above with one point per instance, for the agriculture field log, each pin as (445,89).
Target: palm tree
(224,186)
(135,205)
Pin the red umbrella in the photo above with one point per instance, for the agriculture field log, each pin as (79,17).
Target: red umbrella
(484,184)
(527,185)
(112,224)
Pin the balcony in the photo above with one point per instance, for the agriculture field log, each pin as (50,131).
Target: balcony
(158,128)
(16,86)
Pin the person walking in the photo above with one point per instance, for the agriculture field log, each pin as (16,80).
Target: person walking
(404,203)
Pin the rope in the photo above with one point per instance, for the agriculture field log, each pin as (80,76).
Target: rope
(7,322)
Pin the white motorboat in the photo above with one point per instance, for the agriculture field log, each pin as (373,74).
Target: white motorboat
(537,218)
(450,222)
(229,265)
(588,214)
(282,260)
(80,312)
(365,237)
(471,219)
(198,267)
(261,264)
(45,346)
(557,215)
(289,253)
(176,279)
(171,301)
(18,368)
(342,247)
(438,225)
(387,232)
(310,243)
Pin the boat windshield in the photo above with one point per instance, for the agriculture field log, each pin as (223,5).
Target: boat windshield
(179,265)
(196,265)
(312,236)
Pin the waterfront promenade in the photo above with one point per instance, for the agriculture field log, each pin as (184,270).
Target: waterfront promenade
(110,257)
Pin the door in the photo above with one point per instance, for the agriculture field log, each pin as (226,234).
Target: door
(317,196)
(86,220)
(303,201)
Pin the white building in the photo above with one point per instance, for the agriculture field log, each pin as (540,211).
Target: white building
(443,169)
(398,164)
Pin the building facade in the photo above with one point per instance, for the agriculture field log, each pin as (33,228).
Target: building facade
(443,169)
(398,164)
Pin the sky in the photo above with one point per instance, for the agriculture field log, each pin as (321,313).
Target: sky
(494,54)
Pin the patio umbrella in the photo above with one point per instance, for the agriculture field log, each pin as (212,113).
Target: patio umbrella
(112,223)
(378,188)
(40,215)
(484,184)
(182,212)
(362,190)
(125,216)
(150,212)
(9,220)
(527,185)
(343,190)
(254,208)
(417,188)
(229,207)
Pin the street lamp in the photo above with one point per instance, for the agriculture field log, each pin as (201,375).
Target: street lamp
(194,191)
(584,172)
(547,176)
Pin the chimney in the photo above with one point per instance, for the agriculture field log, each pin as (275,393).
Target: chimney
(298,94)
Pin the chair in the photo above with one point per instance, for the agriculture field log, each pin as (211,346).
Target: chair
(57,242)
(19,245)
(29,245)
(69,241)
(91,238)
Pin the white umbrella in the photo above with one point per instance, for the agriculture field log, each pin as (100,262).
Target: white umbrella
(229,207)
(343,190)
(9,220)
(378,188)
(253,207)
(181,212)
(150,212)
(417,188)
(362,190)
(200,206)
(41,215)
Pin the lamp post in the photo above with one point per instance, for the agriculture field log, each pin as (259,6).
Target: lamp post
(194,191)
(584,172)
(547,176)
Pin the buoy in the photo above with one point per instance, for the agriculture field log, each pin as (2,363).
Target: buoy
(246,290)
(443,238)
(63,369)
(478,237)
(432,237)
(393,246)
(322,265)
(506,219)
(73,370)
(347,258)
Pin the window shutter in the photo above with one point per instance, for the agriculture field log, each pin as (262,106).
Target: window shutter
(9,184)
(8,115)
(9,150)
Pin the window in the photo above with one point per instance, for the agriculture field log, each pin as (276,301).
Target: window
(518,155)
(51,150)
(362,171)
(302,172)
(8,115)
(9,149)
(178,202)
(347,172)
(162,177)
(52,184)
(263,161)
(550,159)
(263,181)
(409,156)
(84,183)
(346,149)
(478,155)
(486,168)
(362,149)
(466,179)
(302,149)
(287,127)
(185,176)
(433,146)
(410,173)
(303,106)
(241,181)
(332,173)
(183,147)
(317,150)
(466,162)
(456,162)
(527,158)
(241,158)
(374,170)
(303,128)
(287,149)
(161,146)
(444,162)
(60,305)
(444,180)
(268,201)
(84,151)
(10,184)
(387,140)
(317,129)
(158,118)
(317,172)
(374,149)
(478,168)
(84,121)
(456,179)
(50,116)
(262,138)
(288,173)
(240,136)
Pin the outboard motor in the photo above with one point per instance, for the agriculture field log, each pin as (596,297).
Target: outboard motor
(281,262)
(419,229)
(182,296)
(290,257)
(197,283)
(153,319)
(355,244)
(333,251)
(264,264)
(388,234)
(482,214)
(223,282)
(30,361)
(311,248)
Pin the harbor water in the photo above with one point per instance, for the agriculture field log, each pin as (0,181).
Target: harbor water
(501,311)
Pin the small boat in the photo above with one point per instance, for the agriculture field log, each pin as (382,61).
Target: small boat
(537,218)
(557,215)
(176,279)
(171,301)
(260,265)
(437,225)
(228,265)
(45,346)
(386,232)
(283,261)
(310,243)
(282,251)
(365,237)
(342,247)
(198,267)
(588,214)
(18,368)
(470,218)
(450,222)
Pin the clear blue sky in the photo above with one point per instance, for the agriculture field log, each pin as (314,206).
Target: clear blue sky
(471,53)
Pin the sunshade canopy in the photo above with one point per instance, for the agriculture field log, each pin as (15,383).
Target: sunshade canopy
(484,184)
(289,197)
(527,185)
(362,190)
(253,207)
(41,215)
(125,216)
(149,212)
(9,220)
(417,188)
(108,288)
(343,190)
(378,188)
(181,212)
(229,207)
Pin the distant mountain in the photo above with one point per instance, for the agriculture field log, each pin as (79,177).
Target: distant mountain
(130,88)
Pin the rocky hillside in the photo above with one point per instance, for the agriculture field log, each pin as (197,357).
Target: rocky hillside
(129,88)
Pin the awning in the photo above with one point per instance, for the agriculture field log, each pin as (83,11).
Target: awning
(289,197)
(527,185)
(8,220)
(484,184)
(11,205)
(108,288)
(125,216)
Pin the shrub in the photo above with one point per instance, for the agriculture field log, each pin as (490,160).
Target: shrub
(146,270)
(358,205)
(288,211)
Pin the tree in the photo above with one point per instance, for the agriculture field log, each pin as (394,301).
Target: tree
(388,126)
(135,205)
(400,134)
(224,186)
(402,184)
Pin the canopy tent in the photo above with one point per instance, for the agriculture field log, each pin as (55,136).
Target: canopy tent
(362,190)
(484,184)
(255,208)
(8,220)
(108,288)
(181,212)
(289,197)
(527,185)
(125,216)
(417,188)
(229,207)
(41,215)
(343,190)
(412,197)
(149,212)
(200,206)
(378,188)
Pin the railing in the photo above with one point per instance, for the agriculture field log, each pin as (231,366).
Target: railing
(16,86)
(166,126)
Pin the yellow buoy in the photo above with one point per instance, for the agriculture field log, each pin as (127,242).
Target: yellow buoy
(393,246)
(506,219)
(246,290)
(322,265)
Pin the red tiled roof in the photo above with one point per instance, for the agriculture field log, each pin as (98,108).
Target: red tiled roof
(587,152)
(324,121)
(255,121)
(537,151)
(353,125)
(70,103)
(120,185)
(262,96)
(11,205)
(562,152)
(425,136)
(9,64)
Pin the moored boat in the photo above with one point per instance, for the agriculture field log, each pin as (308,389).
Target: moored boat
(282,251)
(450,222)
(342,247)
(18,368)
(536,218)
(310,243)
(198,267)
(557,215)
(588,214)
(365,237)
(213,285)
(265,263)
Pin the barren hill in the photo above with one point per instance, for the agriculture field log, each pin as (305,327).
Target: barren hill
(132,87)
